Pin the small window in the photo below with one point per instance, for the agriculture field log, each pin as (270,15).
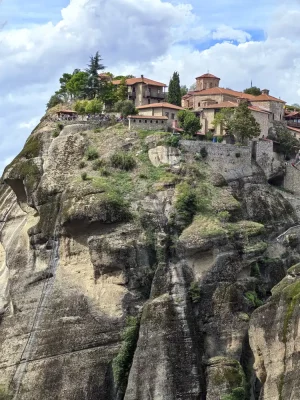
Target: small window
(198,104)
(150,121)
(149,101)
(167,114)
(140,121)
(172,116)
(145,121)
(134,120)
(156,121)
(162,122)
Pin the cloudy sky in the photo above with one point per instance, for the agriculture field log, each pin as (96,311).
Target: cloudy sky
(238,41)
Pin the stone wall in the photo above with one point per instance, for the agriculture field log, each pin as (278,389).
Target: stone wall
(264,123)
(292,179)
(232,161)
(267,159)
(149,124)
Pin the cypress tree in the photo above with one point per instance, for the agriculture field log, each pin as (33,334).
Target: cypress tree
(174,93)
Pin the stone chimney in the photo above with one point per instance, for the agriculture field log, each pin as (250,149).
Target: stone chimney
(142,76)
(265,91)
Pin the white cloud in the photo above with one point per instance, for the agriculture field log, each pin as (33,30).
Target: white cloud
(29,124)
(227,32)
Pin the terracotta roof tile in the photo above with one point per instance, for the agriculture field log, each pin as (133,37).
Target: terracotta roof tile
(293,129)
(147,116)
(208,76)
(160,105)
(267,97)
(133,81)
(259,109)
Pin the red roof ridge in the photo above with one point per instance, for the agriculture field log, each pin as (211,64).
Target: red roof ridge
(162,104)
(133,81)
(208,75)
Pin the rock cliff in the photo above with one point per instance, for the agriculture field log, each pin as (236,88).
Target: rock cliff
(135,267)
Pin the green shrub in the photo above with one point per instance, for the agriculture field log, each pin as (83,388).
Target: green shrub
(55,133)
(123,160)
(194,292)
(5,394)
(209,136)
(220,139)
(223,216)
(255,272)
(186,204)
(92,153)
(60,126)
(143,176)
(104,171)
(253,299)
(84,176)
(82,164)
(97,164)
(172,140)
(203,152)
(32,148)
(236,394)
(122,363)
(97,130)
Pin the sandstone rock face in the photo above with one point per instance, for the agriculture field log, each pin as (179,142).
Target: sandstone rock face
(166,278)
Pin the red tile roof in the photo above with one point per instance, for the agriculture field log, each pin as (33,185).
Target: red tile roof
(133,81)
(294,129)
(267,97)
(259,109)
(208,76)
(160,105)
(147,116)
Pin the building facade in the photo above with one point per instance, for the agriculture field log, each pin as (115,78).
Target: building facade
(143,91)
(208,99)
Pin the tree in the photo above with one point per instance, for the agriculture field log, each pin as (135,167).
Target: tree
(288,143)
(54,101)
(94,83)
(122,90)
(126,108)
(238,122)
(119,77)
(255,91)
(77,85)
(193,87)
(109,94)
(223,119)
(80,106)
(188,122)
(94,106)
(183,90)
(174,91)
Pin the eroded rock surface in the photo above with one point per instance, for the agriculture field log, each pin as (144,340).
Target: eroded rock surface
(137,276)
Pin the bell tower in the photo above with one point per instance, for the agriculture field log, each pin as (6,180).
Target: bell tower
(207,81)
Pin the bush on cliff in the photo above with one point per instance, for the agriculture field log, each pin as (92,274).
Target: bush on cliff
(123,160)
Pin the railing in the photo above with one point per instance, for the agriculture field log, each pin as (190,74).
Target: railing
(154,95)
(293,124)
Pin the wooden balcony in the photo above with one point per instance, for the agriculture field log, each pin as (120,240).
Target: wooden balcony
(153,95)
(293,124)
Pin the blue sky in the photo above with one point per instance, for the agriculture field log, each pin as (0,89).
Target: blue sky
(238,41)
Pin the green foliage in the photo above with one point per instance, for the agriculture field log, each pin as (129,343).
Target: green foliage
(122,362)
(194,292)
(82,164)
(54,101)
(255,272)
(93,87)
(255,91)
(238,393)
(288,143)
(123,160)
(203,152)
(60,126)
(122,90)
(254,300)
(55,133)
(220,139)
(183,90)
(223,118)
(32,147)
(209,136)
(126,108)
(93,106)
(5,394)
(84,176)
(223,216)
(188,122)
(172,140)
(243,124)
(97,164)
(76,86)
(104,171)
(92,153)
(174,90)
(80,106)
(186,204)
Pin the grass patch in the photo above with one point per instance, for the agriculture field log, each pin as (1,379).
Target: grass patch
(253,299)
(122,363)
(194,292)
(31,148)
(122,160)
(82,164)
(98,164)
(92,153)
(84,176)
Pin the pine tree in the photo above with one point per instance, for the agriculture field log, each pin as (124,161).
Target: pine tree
(94,83)
(174,93)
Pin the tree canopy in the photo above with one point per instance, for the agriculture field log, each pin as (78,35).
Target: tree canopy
(288,143)
(255,91)
(122,90)
(238,122)
(174,90)
(125,108)
(93,82)
(183,90)
(188,122)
